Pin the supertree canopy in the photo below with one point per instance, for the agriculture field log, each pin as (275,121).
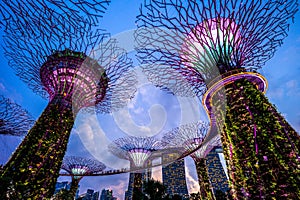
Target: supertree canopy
(73,70)
(191,137)
(216,46)
(14,120)
(137,150)
(78,167)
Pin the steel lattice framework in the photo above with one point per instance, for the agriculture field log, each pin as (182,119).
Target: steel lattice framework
(212,48)
(135,149)
(208,38)
(138,151)
(14,120)
(191,137)
(63,57)
(78,167)
(56,16)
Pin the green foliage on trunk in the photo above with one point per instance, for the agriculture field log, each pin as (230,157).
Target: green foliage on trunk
(260,147)
(34,168)
(203,179)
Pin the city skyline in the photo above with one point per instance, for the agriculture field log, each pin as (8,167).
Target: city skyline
(282,73)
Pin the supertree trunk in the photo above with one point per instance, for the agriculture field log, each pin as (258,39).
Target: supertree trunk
(261,148)
(137,183)
(74,187)
(45,145)
(205,186)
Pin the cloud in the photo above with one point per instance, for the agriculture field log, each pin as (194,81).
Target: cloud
(292,88)
(157,121)
(275,93)
(119,188)
(2,87)
(96,141)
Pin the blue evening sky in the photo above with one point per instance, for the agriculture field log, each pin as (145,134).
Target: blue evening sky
(149,112)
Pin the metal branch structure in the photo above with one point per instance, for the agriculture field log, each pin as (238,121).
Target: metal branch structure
(78,69)
(138,151)
(216,46)
(14,120)
(78,167)
(55,15)
(191,137)
(135,149)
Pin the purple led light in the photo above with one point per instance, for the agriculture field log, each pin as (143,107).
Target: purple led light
(207,39)
(74,77)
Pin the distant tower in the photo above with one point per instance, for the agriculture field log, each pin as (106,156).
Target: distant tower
(138,151)
(64,185)
(89,195)
(145,175)
(190,137)
(216,171)
(107,195)
(173,176)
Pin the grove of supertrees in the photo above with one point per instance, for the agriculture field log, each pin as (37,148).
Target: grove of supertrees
(137,150)
(191,137)
(74,65)
(14,120)
(216,47)
(77,168)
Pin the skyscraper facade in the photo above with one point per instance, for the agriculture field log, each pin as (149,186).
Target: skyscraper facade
(129,192)
(89,195)
(107,195)
(216,171)
(146,175)
(174,176)
(64,185)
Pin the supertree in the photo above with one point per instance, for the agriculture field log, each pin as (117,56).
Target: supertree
(78,167)
(191,137)
(215,48)
(73,70)
(137,150)
(14,120)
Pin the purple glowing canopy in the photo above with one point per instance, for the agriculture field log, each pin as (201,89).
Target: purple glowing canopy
(206,38)
(62,53)
(192,139)
(135,149)
(79,166)
(75,77)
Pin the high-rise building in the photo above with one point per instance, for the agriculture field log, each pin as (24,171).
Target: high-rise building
(107,195)
(129,192)
(217,171)
(89,195)
(64,185)
(174,176)
(145,176)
